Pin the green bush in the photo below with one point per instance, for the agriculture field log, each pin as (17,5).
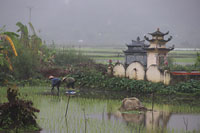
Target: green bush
(25,64)
(17,114)
(94,79)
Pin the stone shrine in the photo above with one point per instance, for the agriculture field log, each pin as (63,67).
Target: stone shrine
(136,52)
(157,51)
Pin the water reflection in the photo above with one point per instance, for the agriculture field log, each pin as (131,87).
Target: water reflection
(185,121)
(55,99)
(153,120)
(149,119)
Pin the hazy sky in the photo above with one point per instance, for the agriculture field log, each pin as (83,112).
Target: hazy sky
(106,21)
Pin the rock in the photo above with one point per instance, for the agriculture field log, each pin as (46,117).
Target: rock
(132,103)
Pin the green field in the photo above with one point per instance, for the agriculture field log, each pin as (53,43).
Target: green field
(184,60)
(104,54)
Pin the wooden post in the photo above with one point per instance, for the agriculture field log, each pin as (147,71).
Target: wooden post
(85,120)
(67,106)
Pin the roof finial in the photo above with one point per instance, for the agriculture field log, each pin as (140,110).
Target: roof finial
(158,29)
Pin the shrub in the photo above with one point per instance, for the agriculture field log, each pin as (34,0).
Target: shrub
(25,64)
(17,113)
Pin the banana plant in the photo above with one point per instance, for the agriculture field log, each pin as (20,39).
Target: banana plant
(35,41)
(2,59)
(24,38)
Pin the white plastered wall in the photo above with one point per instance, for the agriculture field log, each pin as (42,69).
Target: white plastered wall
(153,74)
(151,59)
(135,71)
(167,77)
(119,70)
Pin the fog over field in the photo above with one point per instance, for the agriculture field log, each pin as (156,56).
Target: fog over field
(105,22)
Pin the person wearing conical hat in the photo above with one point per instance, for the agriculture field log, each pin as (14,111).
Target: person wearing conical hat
(69,81)
(55,82)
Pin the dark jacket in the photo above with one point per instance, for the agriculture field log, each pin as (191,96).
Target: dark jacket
(55,81)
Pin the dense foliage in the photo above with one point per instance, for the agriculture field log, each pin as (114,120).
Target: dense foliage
(17,114)
(27,46)
(95,79)
(34,58)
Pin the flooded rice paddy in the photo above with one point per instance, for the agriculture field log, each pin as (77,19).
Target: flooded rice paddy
(102,115)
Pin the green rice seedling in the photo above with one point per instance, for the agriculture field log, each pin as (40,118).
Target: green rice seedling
(102,115)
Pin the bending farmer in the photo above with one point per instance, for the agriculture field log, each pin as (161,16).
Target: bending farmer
(69,81)
(55,82)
